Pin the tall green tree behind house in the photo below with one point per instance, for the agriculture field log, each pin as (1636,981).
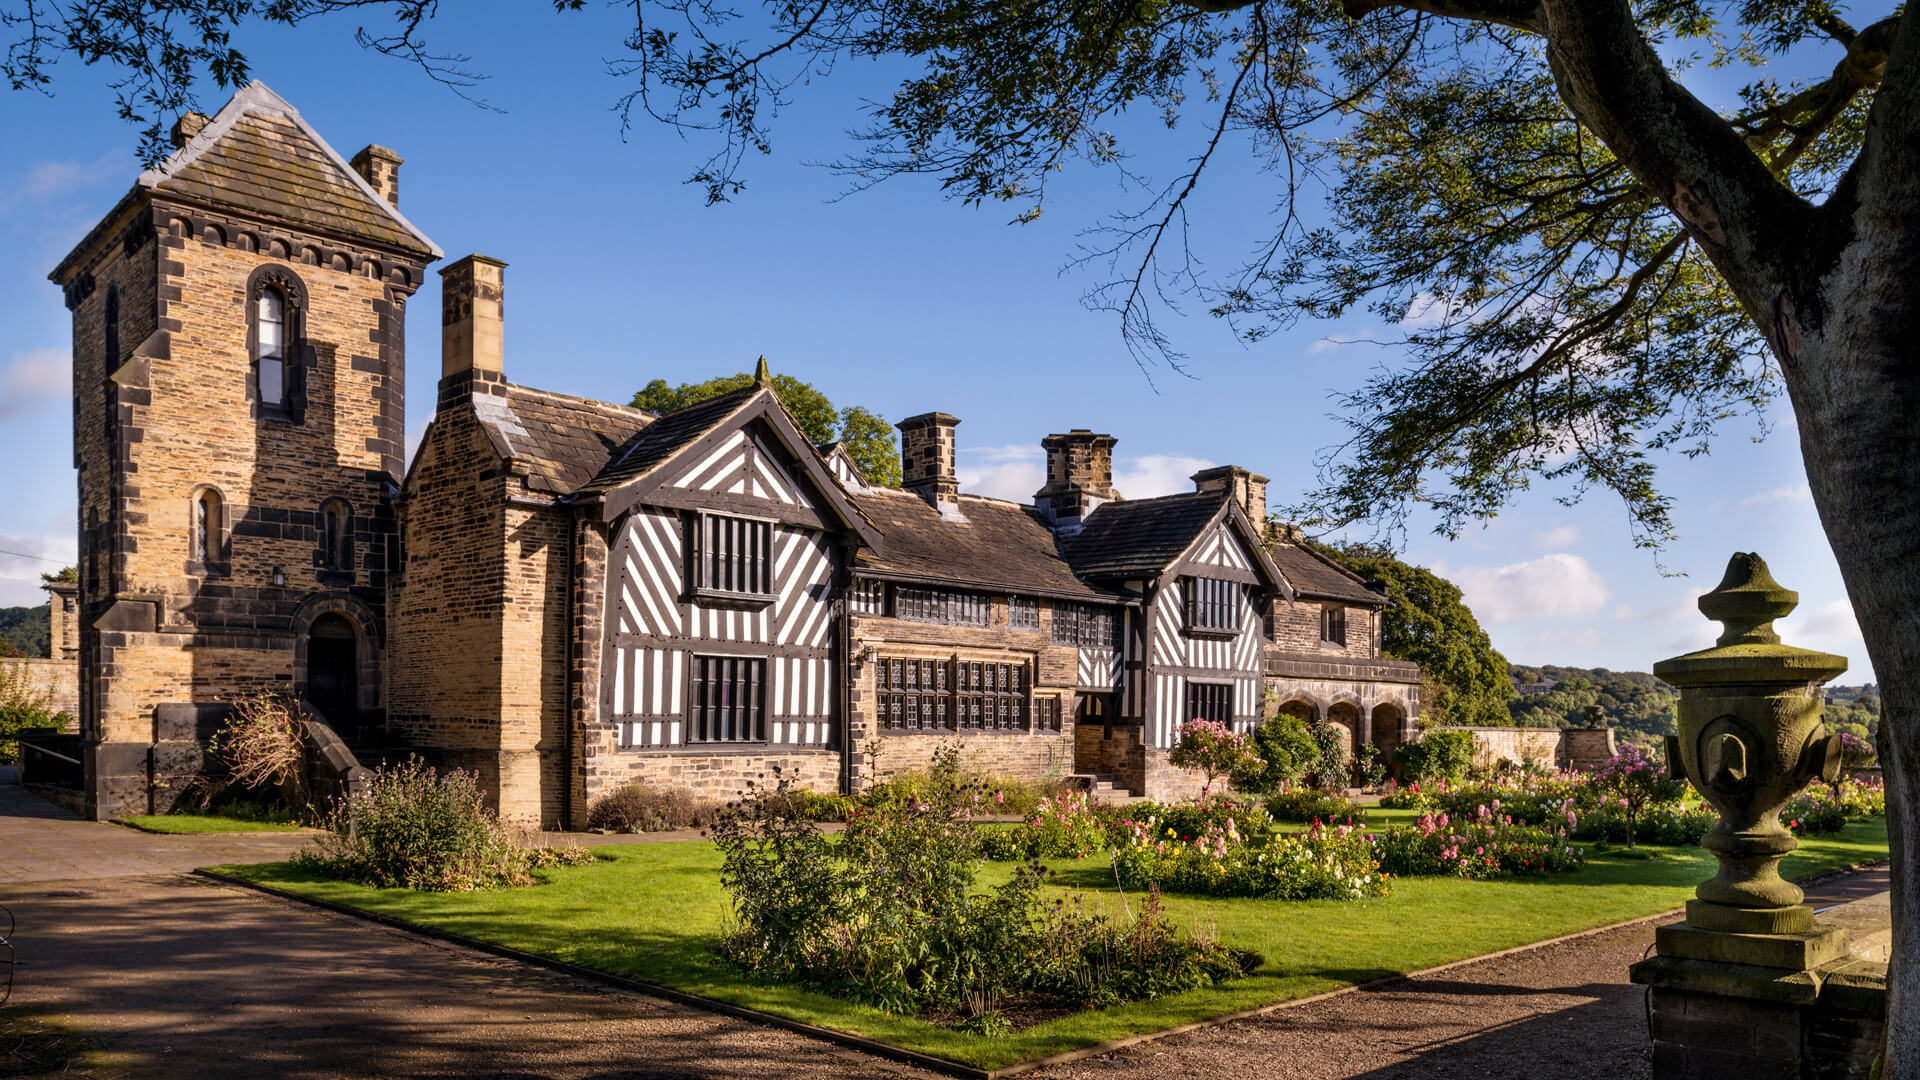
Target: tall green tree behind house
(1428,622)
(870,440)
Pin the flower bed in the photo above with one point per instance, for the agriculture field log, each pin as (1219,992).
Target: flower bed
(1484,845)
(1303,804)
(1323,863)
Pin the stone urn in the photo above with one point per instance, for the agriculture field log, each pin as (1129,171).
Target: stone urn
(1750,738)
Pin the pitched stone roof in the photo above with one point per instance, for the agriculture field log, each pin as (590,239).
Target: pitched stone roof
(257,156)
(1000,546)
(564,441)
(1140,537)
(667,436)
(1314,575)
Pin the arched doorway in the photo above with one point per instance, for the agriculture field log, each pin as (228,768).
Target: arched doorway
(1386,728)
(1348,716)
(333,673)
(1299,707)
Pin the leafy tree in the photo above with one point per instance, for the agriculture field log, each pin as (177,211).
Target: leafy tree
(1212,749)
(1283,750)
(1427,622)
(1439,755)
(26,631)
(1606,267)
(869,438)
(66,575)
(1635,702)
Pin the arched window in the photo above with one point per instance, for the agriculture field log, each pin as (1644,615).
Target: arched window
(276,300)
(209,530)
(336,536)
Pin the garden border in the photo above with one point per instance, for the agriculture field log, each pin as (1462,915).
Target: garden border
(913,1057)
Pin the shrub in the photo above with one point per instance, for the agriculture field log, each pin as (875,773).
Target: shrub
(1306,804)
(1484,845)
(641,807)
(1323,863)
(1369,769)
(1212,749)
(415,829)
(1856,752)
(22,708)
(1438,755)
(1330,764)
(260,746)
(1635,781)
(1283,751)
(888,916)
(1670,824)
(1191,819)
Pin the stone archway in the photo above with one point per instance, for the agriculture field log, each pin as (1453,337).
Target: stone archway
(1301,707)
(333,672)
(1387,719)
(1348,715)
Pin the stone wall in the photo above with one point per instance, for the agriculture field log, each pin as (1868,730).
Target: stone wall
(1491,745)
(59,679)
(1296,629)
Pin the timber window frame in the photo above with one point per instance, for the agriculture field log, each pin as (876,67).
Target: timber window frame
(1210,701)
(726,700)
(730,560)
(1023,613)
(945,607)
(1210,607)
(953,695)
(1087,626)
(867,597)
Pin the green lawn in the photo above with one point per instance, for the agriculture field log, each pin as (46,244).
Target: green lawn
(651,911)
(203,823)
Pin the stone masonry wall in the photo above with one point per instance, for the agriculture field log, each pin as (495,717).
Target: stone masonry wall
(533,666)
(1296,628)
(1490,745)
(58,679)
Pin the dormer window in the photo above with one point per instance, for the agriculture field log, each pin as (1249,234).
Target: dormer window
(1333,625)
(732,559)
(1212,606)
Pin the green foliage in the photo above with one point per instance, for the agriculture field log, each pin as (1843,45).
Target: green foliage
(1335,863)
(1303,804)
(25,631)
(416,829)
(1636,781)
(1212,749)
(642,807)
(1283,750)
(870,439)
(1426,621)
(1484,844)
(1369,767)
(1634,701)
(1854,709)
(890,917)
(66,575)
(1440,754)
(1330,761)
(22,708)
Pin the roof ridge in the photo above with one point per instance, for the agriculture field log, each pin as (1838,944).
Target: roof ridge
(579,397)
(258,97)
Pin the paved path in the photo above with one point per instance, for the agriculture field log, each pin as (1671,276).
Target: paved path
(41,842)
(172,976)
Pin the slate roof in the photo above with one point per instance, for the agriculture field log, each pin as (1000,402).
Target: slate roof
(564,441)
(1001,545)
(258,156)
(667,436)
(1140,537)
(1314,575)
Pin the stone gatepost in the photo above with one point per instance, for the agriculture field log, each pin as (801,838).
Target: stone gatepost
(1751,985)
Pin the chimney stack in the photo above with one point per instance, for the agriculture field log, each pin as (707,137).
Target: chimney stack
(470,316)
(1079,477)
(380,167)
(1249,489)
(189,125)
(926,459)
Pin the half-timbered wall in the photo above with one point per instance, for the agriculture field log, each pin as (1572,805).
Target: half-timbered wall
(1178,656)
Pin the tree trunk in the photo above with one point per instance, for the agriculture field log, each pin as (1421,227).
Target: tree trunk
(1855,384)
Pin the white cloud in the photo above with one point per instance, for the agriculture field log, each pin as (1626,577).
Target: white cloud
(1560,585)
(20,571)
(1156,474)
(1426,311)
(47,179)
(1801,493)
(32,375)
(1561,538)
(1011,472)
(1330,343)
(1830,627)
(1624,611)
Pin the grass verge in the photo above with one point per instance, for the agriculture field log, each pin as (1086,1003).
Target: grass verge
(652,911)
(203,823)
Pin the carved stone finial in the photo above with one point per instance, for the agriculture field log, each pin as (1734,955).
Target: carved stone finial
(761,376)
(1746,602)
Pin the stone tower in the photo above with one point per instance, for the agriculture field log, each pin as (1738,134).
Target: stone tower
(239,383)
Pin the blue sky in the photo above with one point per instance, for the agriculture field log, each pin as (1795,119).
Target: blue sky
(892,298)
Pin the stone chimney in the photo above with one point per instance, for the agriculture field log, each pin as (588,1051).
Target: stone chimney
(380,167)
(1249,489)
(470,316)
(926,459)
(1079,477)
(189,125)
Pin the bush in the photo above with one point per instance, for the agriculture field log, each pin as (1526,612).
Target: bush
(22,708)
(1191,819)
(1669,824)
(1283,749)
(641,807)
(1306,804)
(1330,761)
(1323,863)
(1369,769)
(415,829)
(260,748)
(1212,749)
(1635,783)
(888,916)
(1485,845)
(1438,755)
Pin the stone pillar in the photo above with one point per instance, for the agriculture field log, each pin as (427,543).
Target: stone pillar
(1737,987)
